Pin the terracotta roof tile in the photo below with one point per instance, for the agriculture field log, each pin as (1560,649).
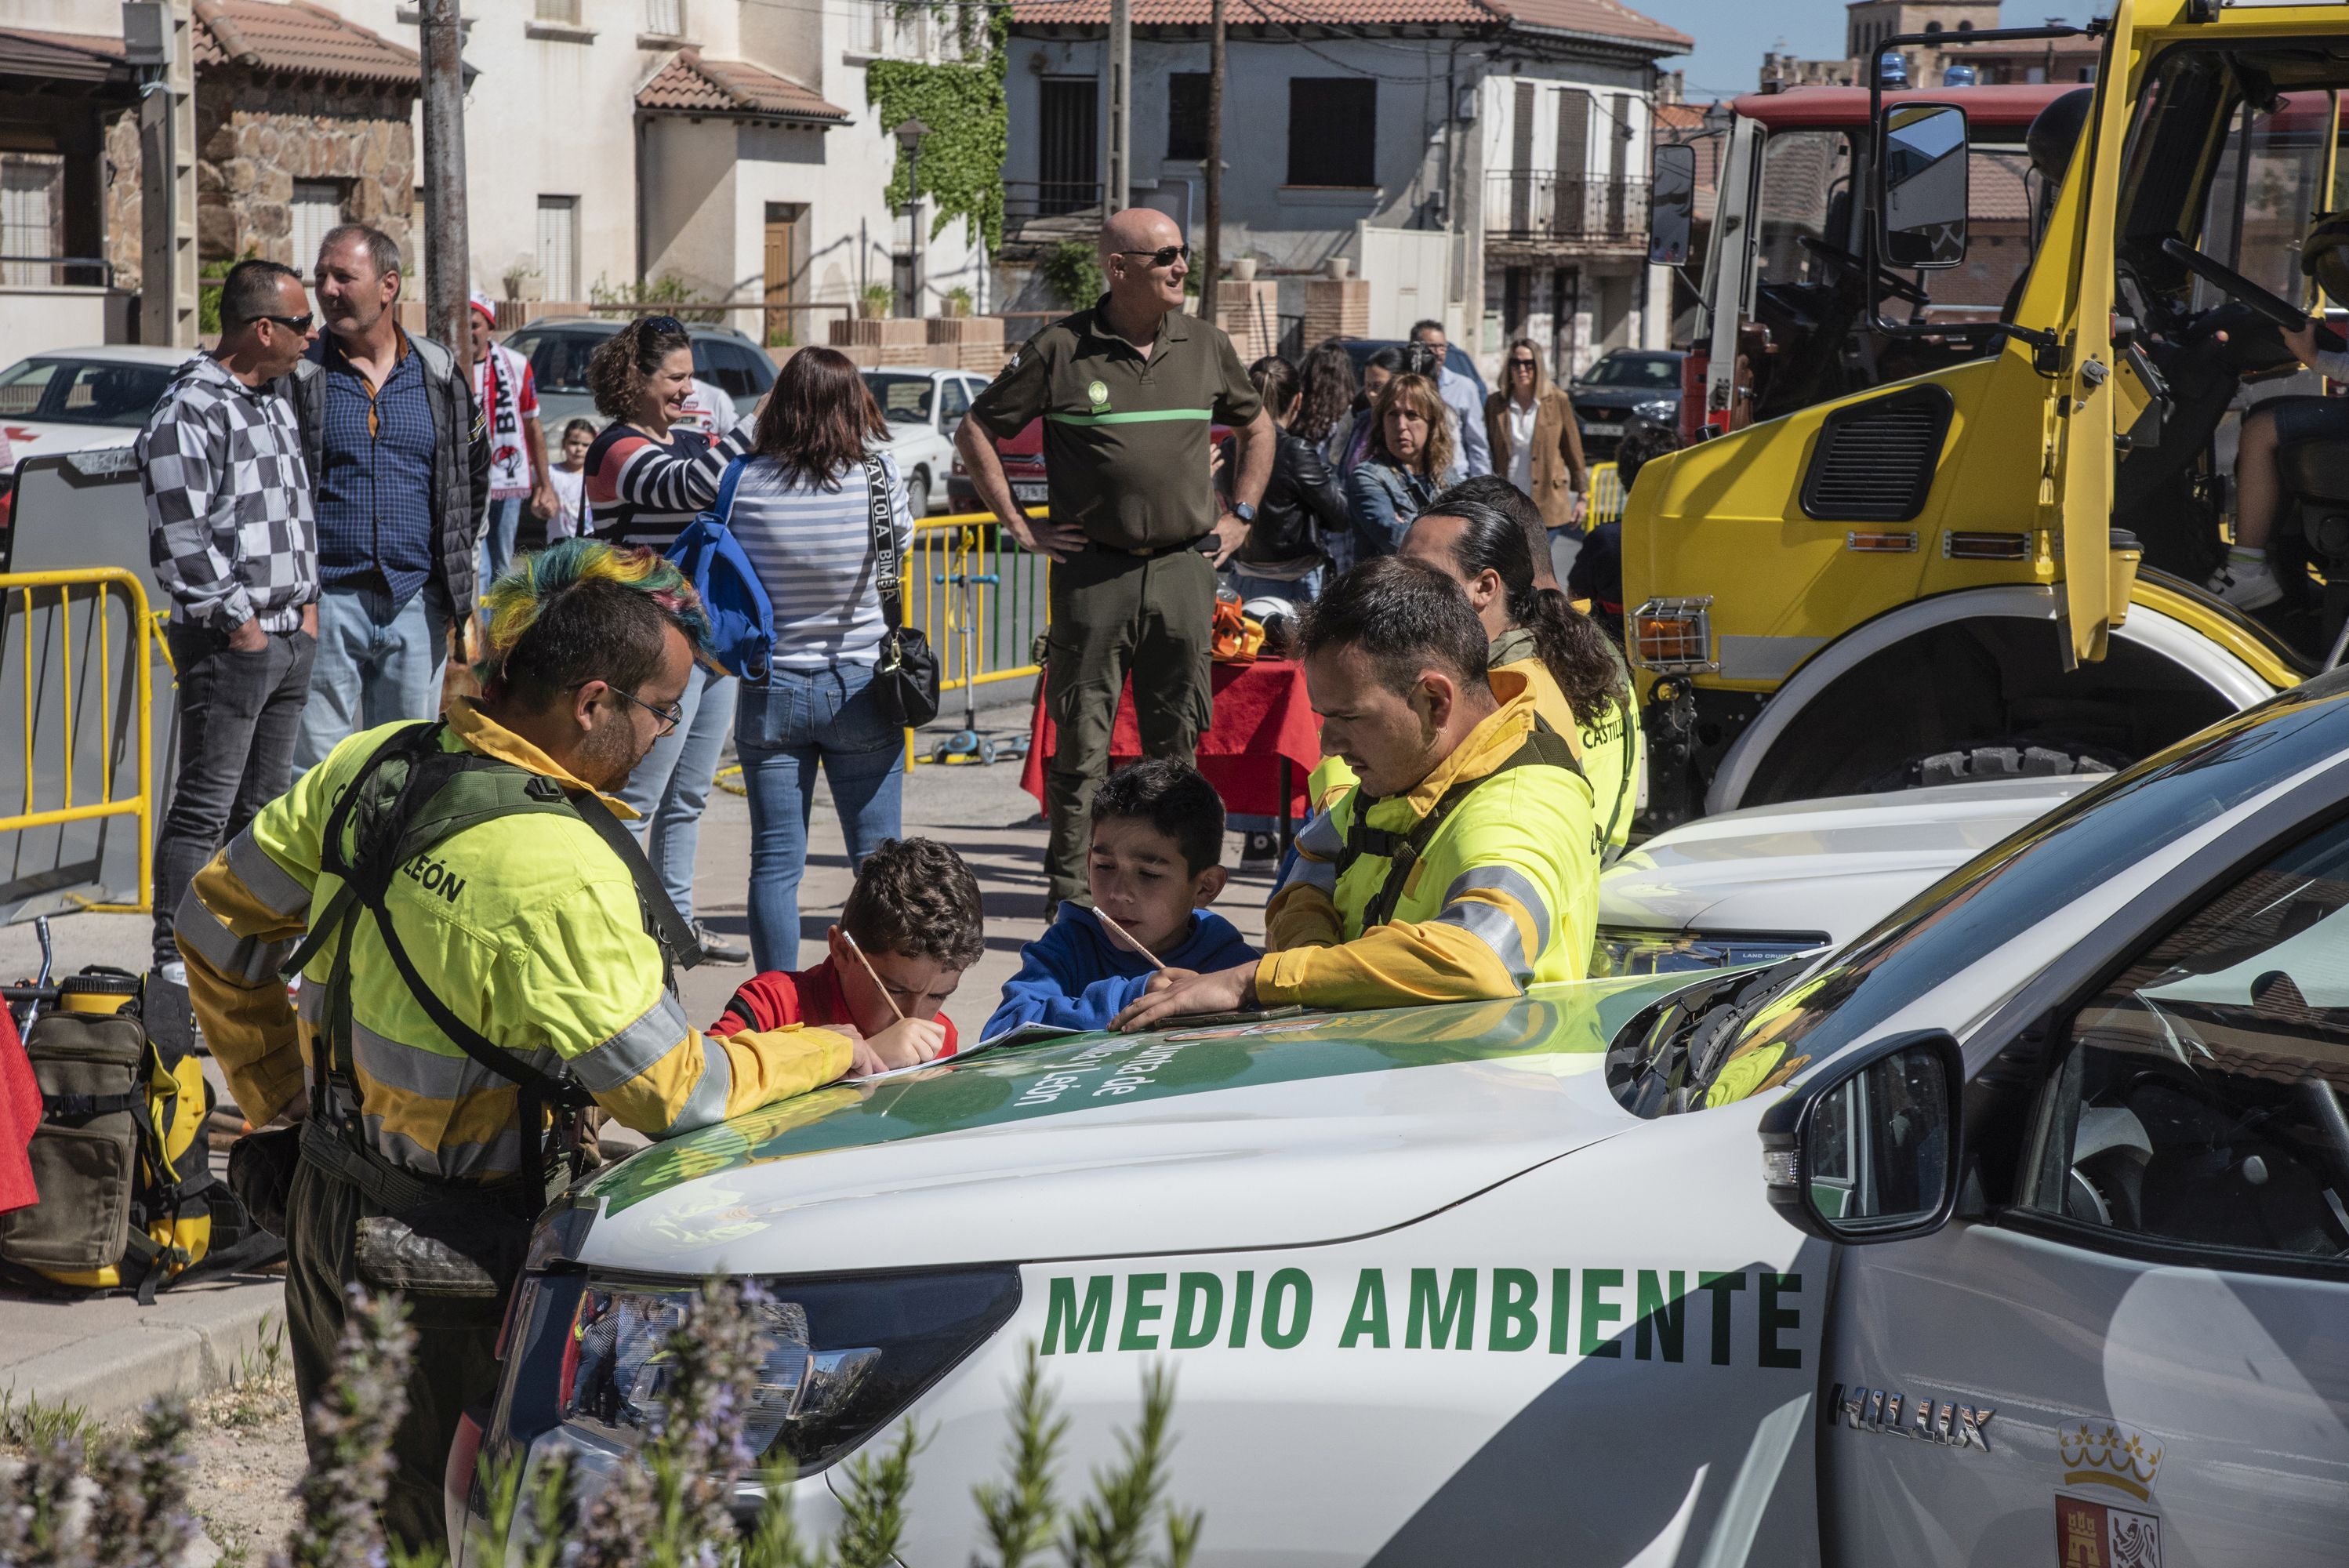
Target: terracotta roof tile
(694,84)
(1600,18)
(298,38)
(71,56)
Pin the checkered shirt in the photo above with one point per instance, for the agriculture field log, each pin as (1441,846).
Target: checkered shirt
(229,525)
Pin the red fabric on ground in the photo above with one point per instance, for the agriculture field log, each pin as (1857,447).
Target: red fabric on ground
(20,1112)
(1262,715)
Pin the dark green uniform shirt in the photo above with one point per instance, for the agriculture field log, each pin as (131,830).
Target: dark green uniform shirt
(1125,436)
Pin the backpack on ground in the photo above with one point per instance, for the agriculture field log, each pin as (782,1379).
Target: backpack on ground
(127,1201)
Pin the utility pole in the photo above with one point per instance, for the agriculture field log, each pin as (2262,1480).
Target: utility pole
(1118,194)
(1211,244)
(448,266)
(167,173)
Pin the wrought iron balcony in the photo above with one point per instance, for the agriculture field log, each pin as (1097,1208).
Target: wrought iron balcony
(1539,208)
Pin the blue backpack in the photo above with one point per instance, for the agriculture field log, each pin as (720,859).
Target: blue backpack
(742,617)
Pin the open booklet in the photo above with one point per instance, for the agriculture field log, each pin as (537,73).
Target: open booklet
(1019,1035)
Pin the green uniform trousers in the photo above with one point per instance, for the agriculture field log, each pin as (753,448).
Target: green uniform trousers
(454,1365)
(1112,612)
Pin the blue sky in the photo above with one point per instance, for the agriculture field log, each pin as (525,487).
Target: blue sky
(1731,34)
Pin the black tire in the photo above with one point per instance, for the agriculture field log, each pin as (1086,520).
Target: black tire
(2017,760)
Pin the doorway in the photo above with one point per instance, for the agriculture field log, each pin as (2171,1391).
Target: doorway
(1068,152)
(781,270)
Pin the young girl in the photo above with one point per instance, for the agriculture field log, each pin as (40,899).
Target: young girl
(570,479)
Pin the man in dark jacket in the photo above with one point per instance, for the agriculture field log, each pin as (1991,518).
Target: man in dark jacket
(398,458)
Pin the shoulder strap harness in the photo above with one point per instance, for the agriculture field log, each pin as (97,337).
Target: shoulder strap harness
(407,797)
(1543,747)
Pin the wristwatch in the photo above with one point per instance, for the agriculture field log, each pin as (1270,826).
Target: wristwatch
(1244,512)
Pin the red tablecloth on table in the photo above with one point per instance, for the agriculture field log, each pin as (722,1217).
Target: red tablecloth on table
(1261,717)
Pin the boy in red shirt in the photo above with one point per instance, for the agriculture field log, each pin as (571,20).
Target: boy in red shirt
(914,917)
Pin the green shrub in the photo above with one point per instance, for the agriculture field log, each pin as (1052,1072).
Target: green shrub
(1074,273)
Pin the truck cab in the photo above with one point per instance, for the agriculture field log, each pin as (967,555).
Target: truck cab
(1915,544)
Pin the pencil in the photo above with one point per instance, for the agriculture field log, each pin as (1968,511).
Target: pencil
(853,948)
(1127,937)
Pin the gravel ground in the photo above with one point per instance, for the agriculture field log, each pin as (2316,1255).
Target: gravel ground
(248,1456)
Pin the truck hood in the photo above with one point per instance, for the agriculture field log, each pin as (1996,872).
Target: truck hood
(1835,866)
(1284,1132)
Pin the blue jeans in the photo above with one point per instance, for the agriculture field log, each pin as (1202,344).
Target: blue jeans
(786,727)
(670,787)
(498,532)
(377,665)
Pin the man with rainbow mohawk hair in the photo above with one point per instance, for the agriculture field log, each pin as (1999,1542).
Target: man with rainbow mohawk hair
(480,954)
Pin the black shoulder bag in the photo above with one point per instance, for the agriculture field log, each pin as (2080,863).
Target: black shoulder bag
(907,669)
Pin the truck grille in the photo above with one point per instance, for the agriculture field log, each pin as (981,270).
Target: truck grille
(1875,460)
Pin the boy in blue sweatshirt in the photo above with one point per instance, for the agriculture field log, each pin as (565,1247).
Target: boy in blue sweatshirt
(1157,842)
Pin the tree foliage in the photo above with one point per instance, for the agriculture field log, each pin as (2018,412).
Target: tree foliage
(962,102)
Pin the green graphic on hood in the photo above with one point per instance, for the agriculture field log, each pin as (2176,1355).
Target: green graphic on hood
(1016,1083)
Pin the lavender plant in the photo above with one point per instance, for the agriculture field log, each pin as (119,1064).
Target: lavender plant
(352,1425)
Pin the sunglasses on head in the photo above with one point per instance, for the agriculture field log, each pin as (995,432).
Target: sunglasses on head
(1163,256)
(668,326)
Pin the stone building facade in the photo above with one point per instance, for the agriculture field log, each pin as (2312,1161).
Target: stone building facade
(257,136)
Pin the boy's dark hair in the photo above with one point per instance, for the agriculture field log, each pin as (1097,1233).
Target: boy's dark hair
(1640,444)
(1174,801)
(914,896)
(1405,615)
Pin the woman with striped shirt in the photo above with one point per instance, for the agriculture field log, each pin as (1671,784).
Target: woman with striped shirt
(802,513)
(647,476)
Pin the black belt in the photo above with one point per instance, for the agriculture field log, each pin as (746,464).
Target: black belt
(1148,552)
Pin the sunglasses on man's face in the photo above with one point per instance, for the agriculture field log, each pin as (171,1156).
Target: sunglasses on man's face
(297,325)
(1163,256)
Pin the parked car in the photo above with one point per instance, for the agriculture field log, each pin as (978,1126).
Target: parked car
(1626,384)
(924,406)
(2021,1217)
(558,349)
(1766,882)
(67,399)
(1023,465)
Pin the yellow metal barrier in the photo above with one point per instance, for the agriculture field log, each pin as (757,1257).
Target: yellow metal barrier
(1606,496)
(981,599)
(22,592)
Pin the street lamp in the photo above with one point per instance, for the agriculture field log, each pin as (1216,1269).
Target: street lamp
(909,136)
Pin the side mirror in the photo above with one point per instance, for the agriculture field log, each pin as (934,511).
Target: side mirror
(1672,201)
(1870,1153)
(1920,185)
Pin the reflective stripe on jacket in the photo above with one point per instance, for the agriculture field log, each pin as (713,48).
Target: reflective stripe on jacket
(526,926)
(1504,895)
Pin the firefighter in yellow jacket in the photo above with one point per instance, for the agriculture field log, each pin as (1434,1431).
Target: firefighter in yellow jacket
(521,942)
(1461,866)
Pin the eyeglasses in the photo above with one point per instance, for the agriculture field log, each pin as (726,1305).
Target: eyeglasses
(670,716)
(1521,365)
(297,325)
(1163,256)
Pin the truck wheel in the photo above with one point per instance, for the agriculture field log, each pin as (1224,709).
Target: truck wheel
(918,494)
(2021,761)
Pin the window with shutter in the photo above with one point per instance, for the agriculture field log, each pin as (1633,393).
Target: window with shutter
(32,217)
(1187,115)
(316,208)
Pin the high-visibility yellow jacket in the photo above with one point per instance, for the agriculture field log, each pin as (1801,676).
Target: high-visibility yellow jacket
(1504,895)
(1607,745)
(526,926)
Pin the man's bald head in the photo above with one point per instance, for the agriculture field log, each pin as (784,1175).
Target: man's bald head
(1137,229)
(1142,290)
